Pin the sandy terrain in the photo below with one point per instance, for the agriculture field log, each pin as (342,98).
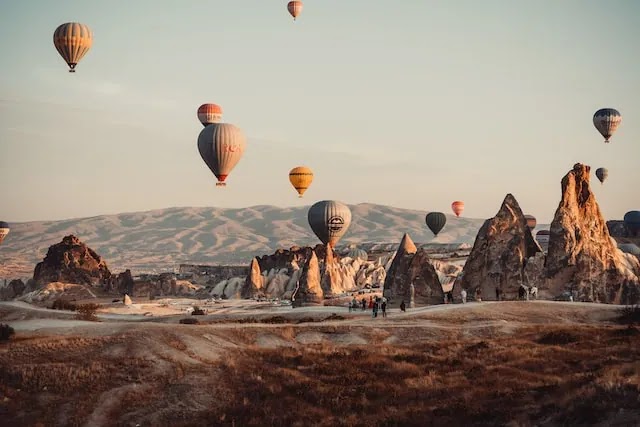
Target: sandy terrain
(245,359)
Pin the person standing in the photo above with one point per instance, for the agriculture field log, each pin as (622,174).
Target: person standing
(478,294)
(463,294)
(403,306)
(384,307)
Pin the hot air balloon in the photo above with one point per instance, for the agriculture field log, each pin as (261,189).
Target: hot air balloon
(301,178)
(4,230)
(356,253)
(72,41)
(435,221)
(602,174)
(294,8)
(607,120)
(329,220)
(221,146)
(632,221)
(457,207)
(209,113)
(531,221)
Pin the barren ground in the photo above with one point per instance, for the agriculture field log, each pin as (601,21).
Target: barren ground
(508,363)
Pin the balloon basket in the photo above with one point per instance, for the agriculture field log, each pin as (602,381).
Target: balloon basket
(221,184)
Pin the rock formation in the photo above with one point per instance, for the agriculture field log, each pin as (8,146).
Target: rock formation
(308,289)
(14,289)
(412,266)
(499,256)
(127,300)
(255,282)
(582,258)
(71,261)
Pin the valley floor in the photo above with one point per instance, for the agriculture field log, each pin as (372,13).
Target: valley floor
(246,363)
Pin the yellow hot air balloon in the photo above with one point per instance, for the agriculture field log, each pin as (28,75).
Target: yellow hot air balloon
(72,41)
(301,177)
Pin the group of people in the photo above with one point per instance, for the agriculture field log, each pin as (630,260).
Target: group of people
(376,305)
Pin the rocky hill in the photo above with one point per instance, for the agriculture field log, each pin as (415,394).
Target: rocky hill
(158,240)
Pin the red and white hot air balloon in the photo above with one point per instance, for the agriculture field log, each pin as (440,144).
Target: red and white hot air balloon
(294,7)
(457,207)
(209,113)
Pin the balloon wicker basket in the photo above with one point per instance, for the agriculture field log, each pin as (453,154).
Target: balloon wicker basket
(221,184)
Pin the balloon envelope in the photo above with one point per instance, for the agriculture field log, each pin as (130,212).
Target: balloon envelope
(457,207)
(72,41)
(4,230)
(221,146)
(209,113)
(607,120)
(294,8)
(356,253)
(531,221)
(435,221)
(301,177)
(602,174)
(329,220)
(632,221)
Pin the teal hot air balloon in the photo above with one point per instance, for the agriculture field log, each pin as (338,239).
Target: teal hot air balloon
(329,220)
(602,174)
(221,146)
(4,230)
(632,221)
(607,120)
(436,222)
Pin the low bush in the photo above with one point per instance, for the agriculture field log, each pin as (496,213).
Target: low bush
(189,321)
(197,311)
(6,332)
(63,304)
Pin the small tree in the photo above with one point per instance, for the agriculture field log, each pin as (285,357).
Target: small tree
(6,332)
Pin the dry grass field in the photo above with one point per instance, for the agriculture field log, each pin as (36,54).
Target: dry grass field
(490,364)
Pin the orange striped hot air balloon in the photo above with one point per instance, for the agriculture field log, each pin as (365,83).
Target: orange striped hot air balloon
(301,178)
(457,207)
(72,41)
(294,8)
(209,113)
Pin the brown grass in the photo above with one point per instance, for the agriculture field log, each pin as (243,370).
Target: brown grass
(161,375)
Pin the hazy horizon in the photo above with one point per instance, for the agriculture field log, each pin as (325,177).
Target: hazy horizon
(411,106)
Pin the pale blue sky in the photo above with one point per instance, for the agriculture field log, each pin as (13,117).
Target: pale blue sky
(407,103)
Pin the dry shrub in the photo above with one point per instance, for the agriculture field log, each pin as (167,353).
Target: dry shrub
(87,312)
(63,304)
(189,321)
(6,332)
(558,338)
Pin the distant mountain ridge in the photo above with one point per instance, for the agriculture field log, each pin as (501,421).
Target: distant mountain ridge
(159,240)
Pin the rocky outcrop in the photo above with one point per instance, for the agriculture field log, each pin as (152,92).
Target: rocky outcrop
(582,258)
(12,290)
(308,289)
(499,255)
(254,282)
(412,266)
(71,261)
(127,300)
(122,283)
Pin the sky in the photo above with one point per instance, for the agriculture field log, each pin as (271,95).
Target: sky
(411,104)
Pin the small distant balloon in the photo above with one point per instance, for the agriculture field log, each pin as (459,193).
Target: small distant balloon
(457,207)
(209,113)
(632,221)
(436,222)
(301,177)
(294,8)
(221,146)
(531,221)
(602,174)
(72,41)
(607,120)
(4,230)
(329,220)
